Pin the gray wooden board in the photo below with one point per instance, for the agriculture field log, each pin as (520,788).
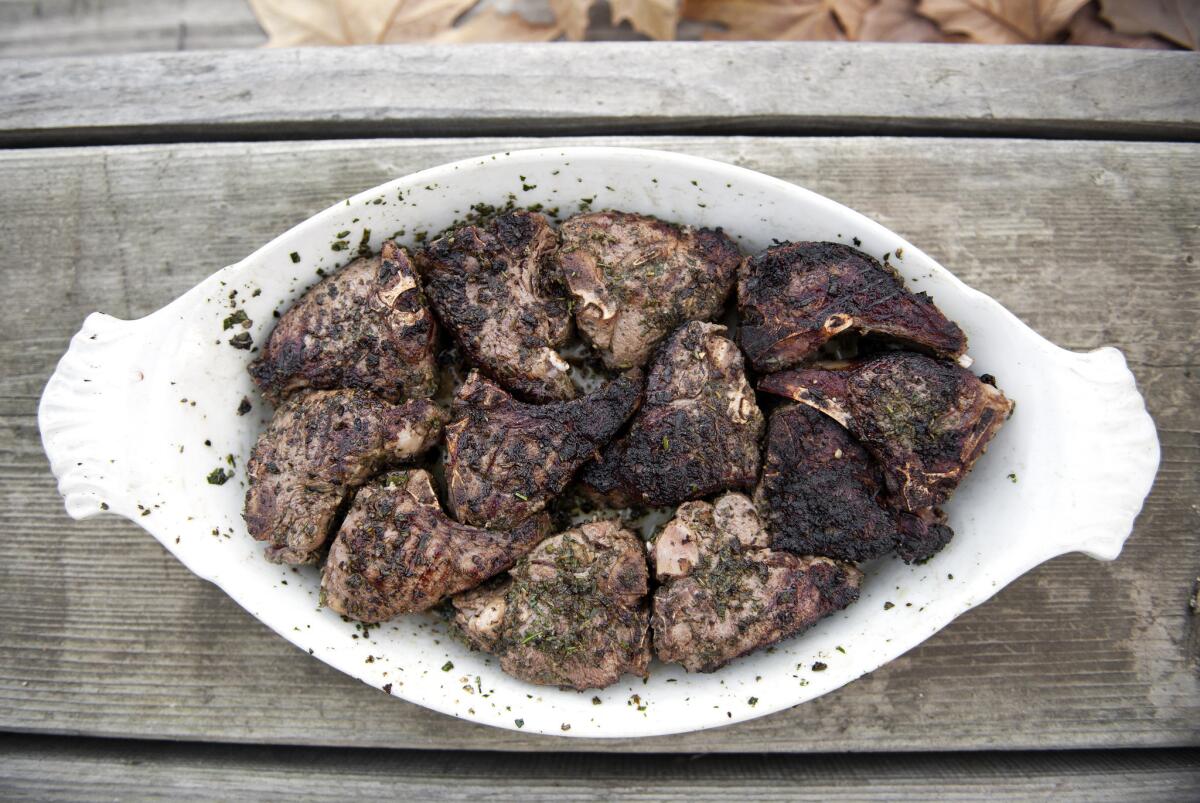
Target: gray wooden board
(42,768)
(596,88)
(1091,243)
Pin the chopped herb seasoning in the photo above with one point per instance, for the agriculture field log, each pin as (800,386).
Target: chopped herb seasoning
(218,476)
(520,723)
(819,666)
(236,318)
(104,505)
(244,407)
(241,340)
(343,234)
(753,701)
(857,242)
(887,606)
(295,255)
(595,701)
(446,667)
(1012,477)
(387,687)
(521,496)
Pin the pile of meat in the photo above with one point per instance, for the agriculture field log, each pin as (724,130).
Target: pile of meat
(780,491)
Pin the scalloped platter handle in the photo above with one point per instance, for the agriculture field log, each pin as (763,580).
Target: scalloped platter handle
(139,415)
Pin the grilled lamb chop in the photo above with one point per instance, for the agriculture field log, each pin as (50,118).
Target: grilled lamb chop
(635,279)
(821,494)
(506,459)
(725,594)
(397,552)
(926,421)
(572,613)
(490,288)
(320,446)
(697,432)
(796,296)
(365,326)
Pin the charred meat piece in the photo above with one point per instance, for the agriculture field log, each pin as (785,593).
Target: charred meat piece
(821,493)
(320,446)
(635,279)
(926,421)
(491,289)
(796,296)
(397,552)
(572,613)
(365,326)
(507,459)
(724,594)
(697,432)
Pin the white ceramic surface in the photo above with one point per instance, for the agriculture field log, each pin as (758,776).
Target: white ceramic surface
(127,418)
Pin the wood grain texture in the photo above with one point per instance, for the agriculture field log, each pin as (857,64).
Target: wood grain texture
(1091,243)
(40,768)
(597,88)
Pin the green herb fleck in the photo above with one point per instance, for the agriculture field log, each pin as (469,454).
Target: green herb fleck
(521,496)
(236,318)
(295,255)
(520,723)
(819,666)
(887,606)
(446,667)
(1012,477)
(242,340)
(753,701)
(342,234)
(218,477)
(595,701)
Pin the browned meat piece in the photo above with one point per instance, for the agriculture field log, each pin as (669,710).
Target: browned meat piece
(796,296)
(507,459)
(724,594)
(635,279)
(926,421)
(697,432)
(491,289)
(821,494)
(365,326)
(573,613)
(397,552)
(320,446)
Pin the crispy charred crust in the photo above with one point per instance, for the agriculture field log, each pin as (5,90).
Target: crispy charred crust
(697,432)
(492,290)
(635,278)
(507,459)
(796,296)
(319,446)
(397,552)
(365,327)
(925,420)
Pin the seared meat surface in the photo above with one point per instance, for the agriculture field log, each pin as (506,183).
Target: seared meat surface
(821,493)
(507,459)
(697,432)
(572,613)
(491,288)
(926,421)
(320,446)
(397,552)
(365,326)
(796,296)
(724,593)
(635,279)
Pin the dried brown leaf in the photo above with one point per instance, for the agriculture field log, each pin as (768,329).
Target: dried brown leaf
(1088,29)
(572,16)
(898,21)
(1177,20)
(1002,22)
(655,18)
(490,25)
(779,19)
(290,23)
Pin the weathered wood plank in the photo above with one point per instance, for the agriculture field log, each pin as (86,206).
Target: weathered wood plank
(101,632)
(595,88)
(41,768)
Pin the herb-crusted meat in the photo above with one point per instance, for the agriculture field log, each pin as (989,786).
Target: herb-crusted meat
(796,296)
(821,493)
(635,279)
(724,593)
(926,421)
(365,326)
(491,289)
(507,459)
(697,432)
(572,613)
(320,446)
(397,552)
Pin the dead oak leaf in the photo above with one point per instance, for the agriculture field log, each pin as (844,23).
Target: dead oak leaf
(898,21)
(291,23)
(490,25)
(780,19)
(1003,22)
(655,18)
(1088,29)
(1177,20)
(572,16)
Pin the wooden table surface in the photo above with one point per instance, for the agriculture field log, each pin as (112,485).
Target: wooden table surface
(1062,181)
